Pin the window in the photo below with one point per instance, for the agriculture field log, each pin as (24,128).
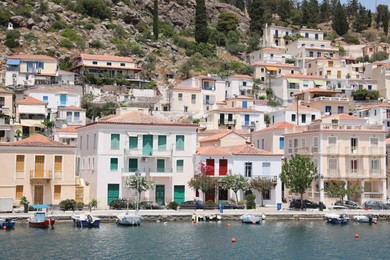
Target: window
(193,99)
(69,116)
(332,164)
(123,64)
(109,63)
(81,142)
(179,165)
(354,166)
(87,142)
(114,164)
(57,191)
(180,143)
(369,87)
(374,165)
(313,117)
(330,64)
(328,72)
(262,144)
(293,118)
(311,54)
(303,118)
(374,112)
(19,192)
(305,83)
(162,142)
(318,54)
(262,69)
(185,109)
(160,165)
(133,165)
(340,109)
(266,195)
(248,169)
(315,144)
(339,74)
(45,99)
(76,117)
(374,141)
(19,163)
(332,140)
(281,142)
(94,62)
(94,141)
(180,96)
(306,35)
(133,142)
(115,141)
(354,144)
(266,168)
(57,163)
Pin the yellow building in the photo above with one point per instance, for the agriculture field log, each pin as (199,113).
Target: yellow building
(39,168)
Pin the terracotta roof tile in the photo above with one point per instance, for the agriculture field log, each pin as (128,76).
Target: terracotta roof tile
(68,129)
(37,140)
(106,58)
(345,117)
(273,64)
(241,76)
(212,150)
(186,88)
(301,76)
(281,125)
(30,101)
(242,97)
(293,107)
(237,109)
(31,57)
(246,149)
(317,90)
(218,136)
(72,108)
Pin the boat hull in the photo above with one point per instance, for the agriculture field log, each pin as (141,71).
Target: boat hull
(338,221)
(86,224)
(248,219)
(43,224)
(364,219)
(128,220)
(8,224)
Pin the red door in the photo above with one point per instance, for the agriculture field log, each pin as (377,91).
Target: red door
(223,167)
(210,167)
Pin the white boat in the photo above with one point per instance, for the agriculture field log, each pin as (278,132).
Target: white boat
(365,219)
(128,219)
(250,219)
(85,220)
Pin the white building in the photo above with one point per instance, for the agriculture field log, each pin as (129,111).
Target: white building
(295,114)
(376,114)
(118,146)
(274,36)
(239,85)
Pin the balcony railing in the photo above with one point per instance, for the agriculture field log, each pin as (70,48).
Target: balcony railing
(372,195)
(339,99)
(338,127)
(227,122)
(160,172)
(41,175)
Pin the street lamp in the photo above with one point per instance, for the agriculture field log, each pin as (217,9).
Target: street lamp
(137,174)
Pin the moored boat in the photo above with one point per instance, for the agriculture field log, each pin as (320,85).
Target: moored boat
(338,219)
(40,219)
(7,223)
(250,219)
(85,221)
(365,219)
(128,219)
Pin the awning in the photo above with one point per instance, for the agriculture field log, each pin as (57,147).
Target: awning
(295,81)
(13,62)
(42,206)
(31,123)
(319,82)
(272,68)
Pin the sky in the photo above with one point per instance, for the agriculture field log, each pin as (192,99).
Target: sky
(370,3)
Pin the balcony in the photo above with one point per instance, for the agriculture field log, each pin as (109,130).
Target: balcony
(160,172)
(334,99)
(208,87)
(154,153)
(227,122)
(131,171)
(338,127)
(372,195)
(41,175)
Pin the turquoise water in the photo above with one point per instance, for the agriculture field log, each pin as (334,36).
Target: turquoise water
(182,240)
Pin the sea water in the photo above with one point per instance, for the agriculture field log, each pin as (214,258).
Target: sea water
(184,240)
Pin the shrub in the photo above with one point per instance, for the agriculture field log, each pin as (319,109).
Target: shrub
(66,63)
(96,44)
(5,17)
(250,201)
(66,43)
(166,29)
(351,39)
(24,11)
(12,39)
(94,8)
(57,25)
(118,204)
(79,205)
(89,26)
(30,37)
(173,205)
(68,204)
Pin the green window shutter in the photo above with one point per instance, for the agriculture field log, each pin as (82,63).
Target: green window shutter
(162,142)
(133,142)
(193,99)
(147,145)
(133,165)
(114,141)
(114,164)
(180,142)
(160,165)
(180,165)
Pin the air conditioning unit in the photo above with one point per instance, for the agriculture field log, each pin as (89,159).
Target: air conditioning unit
(144,159)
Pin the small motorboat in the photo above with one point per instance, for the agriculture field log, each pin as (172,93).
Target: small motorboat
(365,219)
(7,223)
(337,219)
(250,219)
(40,219)
(85,221)
(128,219)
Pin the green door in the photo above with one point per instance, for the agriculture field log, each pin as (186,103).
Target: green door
(113,192)
(147,145)
(160,194)
(178,195)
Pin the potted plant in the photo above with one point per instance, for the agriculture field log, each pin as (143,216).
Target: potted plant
(24,202)
(92,204)
(79,205)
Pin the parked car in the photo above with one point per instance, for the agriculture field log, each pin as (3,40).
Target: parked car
(192,204)
(348,204)
(231,205)
(150,205)
(296,203)
(375,204)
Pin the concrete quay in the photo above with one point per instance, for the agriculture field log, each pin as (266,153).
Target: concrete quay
(186,215)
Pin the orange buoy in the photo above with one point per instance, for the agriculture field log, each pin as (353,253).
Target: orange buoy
(356,235)
(375,222)
(254,222)
(4,227)
(194,222)
(228,225)
(233,239)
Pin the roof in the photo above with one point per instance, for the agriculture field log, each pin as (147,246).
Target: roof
(106,58)
(218,136)
(4,91)
(281,125)
(211,150)
(241,97)
(32,57)
(37,140)
(269,49)
(30,101)
(293,107)
(245,149)
(241,76)
(71,108)
(236,109)
(301,76)
(186,88)
(273,64)
(138,118)
(68,129)
(317,90)
(204,77)
(345,117)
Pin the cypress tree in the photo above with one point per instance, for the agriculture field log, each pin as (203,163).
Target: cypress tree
(340,23)
(155,20)
(256,12)
(325,11)
(201,31)
(240,4)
